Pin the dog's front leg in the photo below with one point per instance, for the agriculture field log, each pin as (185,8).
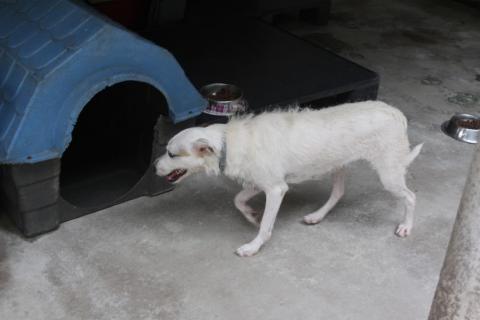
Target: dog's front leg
(241,204)
(337,193)
(274,197)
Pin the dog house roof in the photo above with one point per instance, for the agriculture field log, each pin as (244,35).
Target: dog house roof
(55,55)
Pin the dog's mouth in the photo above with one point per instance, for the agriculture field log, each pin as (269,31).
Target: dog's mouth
(176,174)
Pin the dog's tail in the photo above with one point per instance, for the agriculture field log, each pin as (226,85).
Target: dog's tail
(414,153)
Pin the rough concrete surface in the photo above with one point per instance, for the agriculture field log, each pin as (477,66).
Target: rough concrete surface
(171,257)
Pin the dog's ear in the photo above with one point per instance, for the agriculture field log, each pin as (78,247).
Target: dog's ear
(202,148)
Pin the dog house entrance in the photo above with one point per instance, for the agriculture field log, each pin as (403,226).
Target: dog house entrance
(111,145)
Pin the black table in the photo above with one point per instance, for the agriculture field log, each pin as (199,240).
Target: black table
(271,66)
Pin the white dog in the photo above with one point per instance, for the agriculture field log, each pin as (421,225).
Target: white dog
(268,151)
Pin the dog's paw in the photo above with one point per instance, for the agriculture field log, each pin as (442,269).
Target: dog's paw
(312,218)
(403,230)
(247,250)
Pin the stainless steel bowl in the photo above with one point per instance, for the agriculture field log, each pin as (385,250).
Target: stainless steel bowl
(463,127)
(223,99)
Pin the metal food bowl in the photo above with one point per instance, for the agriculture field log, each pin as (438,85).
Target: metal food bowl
(463,127)
(223,99)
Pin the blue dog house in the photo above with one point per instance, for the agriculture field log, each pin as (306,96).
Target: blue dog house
(69,77)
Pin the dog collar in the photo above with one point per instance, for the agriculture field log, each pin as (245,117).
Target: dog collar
(222,161)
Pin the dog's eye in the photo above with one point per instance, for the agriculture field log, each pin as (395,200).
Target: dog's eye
(171,155)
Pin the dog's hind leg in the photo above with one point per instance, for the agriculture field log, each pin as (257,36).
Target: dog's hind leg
(338,190)
(248,212)
(393,179)
(274,197)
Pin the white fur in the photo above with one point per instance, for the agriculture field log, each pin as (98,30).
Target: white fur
(269,151)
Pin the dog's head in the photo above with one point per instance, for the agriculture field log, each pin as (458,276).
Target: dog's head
(192,150)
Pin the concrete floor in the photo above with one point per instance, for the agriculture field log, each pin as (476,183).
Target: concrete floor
(171,257)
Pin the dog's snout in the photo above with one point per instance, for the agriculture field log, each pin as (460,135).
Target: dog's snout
(157,166)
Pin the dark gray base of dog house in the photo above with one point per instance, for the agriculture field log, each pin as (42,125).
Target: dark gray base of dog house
(36,206)
(272,66)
